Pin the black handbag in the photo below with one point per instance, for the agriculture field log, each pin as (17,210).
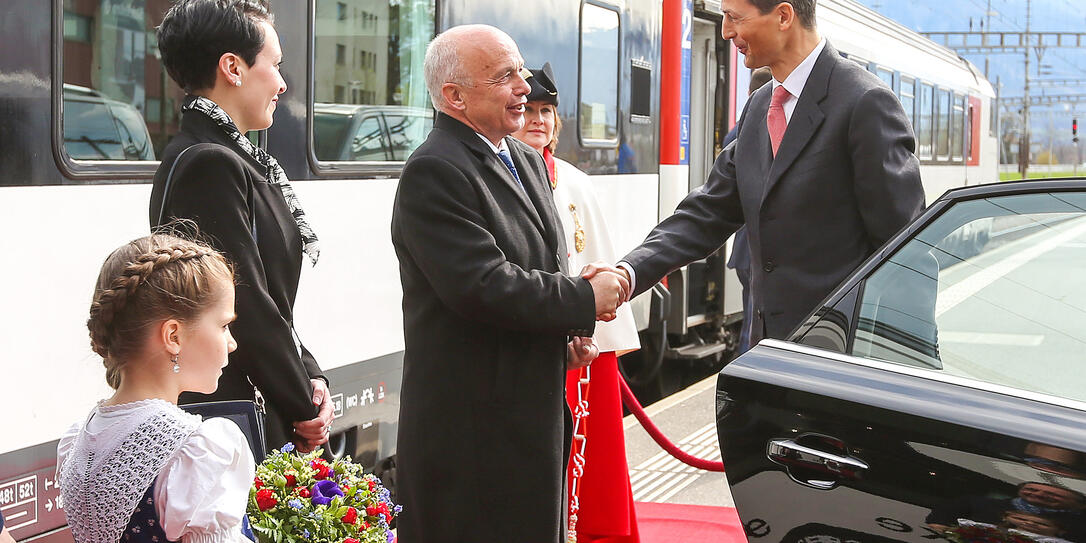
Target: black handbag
(245,413)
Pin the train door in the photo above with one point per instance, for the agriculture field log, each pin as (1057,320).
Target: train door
(712,291)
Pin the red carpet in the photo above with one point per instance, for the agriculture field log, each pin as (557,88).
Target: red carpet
(659,522)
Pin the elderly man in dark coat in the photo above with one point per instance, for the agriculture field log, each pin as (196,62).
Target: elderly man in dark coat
(488,310)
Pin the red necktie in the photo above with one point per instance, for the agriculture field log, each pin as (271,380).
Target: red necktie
(776,120)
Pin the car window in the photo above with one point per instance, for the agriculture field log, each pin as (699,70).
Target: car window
(366,143)
(134,137)
(406,132)
(991,290)
(90,132)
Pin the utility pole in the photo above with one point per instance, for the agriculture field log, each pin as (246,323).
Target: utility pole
(1023,142)
(987,28)
(986,42)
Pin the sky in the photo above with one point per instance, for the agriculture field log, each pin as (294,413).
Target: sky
(1007,68)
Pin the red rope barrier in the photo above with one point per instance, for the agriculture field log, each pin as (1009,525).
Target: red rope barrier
(634,406)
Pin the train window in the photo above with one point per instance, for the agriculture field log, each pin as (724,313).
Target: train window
(370,99)
(112,79)
(599,85)
(942,121)
(886,75)
(907,94)
(640,90)
(957,128)
(925,125)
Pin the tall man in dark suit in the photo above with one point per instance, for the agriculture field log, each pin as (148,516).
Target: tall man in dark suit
(484,431)
(822,172)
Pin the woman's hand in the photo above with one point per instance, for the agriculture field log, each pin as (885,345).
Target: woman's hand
(314,432)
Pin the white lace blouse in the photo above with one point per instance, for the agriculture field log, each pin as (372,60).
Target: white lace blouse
(202,472)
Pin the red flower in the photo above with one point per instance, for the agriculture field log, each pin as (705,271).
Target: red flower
(364,526)
(351,516)
(372,485)
(291,481)
(303,492)
(265,499)
(346,489)
(258,483)
(372,511)
(350,540)
(322,469)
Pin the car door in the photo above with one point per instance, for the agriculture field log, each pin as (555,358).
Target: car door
(939,393)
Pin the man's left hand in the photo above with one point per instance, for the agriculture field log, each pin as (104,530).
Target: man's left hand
(581,352)
(314,432)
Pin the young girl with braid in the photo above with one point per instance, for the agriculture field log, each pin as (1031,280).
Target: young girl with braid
(139,469)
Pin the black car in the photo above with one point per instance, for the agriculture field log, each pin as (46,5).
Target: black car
(939,393)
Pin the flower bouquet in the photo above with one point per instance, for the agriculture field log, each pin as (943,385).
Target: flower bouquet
(299,498)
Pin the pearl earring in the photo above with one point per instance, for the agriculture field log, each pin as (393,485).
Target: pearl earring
(237,82)
(176,365)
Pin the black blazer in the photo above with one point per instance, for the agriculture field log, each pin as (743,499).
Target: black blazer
(225,192)
(487,311)
(844,181)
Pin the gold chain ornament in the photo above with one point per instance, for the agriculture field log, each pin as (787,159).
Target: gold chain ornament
(578,232)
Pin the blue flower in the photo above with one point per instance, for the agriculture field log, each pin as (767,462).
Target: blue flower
(397,509)
(295,503)
(305,533)
(324,491)
(289,447)
(389,536)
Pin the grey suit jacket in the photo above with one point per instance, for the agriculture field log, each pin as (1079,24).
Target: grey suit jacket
(844,181)
(487,306)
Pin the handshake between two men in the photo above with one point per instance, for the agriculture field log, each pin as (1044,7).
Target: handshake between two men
(611,288)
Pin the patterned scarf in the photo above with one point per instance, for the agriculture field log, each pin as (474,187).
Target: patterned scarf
(275,173)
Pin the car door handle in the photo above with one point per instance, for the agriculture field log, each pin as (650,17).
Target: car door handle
(812,467)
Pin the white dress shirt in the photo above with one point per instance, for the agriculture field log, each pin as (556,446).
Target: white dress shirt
(796,80)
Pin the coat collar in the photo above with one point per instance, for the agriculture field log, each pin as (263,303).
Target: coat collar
(806,118)
(497,169)
(204,129)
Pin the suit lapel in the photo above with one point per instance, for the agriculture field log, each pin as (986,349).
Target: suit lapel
(496,167)
(538,188)
(806,118)
(491,163)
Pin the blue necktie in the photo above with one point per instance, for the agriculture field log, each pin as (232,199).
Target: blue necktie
(508,160)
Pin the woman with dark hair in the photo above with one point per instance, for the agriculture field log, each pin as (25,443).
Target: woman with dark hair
(225,55)
(601,500)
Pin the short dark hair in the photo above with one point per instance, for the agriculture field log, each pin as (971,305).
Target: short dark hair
(195,34)
(805,9)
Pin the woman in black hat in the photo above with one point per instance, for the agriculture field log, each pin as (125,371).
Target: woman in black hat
(601,501)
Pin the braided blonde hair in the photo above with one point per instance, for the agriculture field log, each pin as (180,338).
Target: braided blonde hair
(145,281)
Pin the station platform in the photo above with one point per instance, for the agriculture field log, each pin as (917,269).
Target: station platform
(676,502)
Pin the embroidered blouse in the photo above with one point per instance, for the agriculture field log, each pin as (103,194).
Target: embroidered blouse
(196,474)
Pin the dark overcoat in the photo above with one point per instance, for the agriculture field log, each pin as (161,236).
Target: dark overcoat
(226,192)
(844,181)
(487,306)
